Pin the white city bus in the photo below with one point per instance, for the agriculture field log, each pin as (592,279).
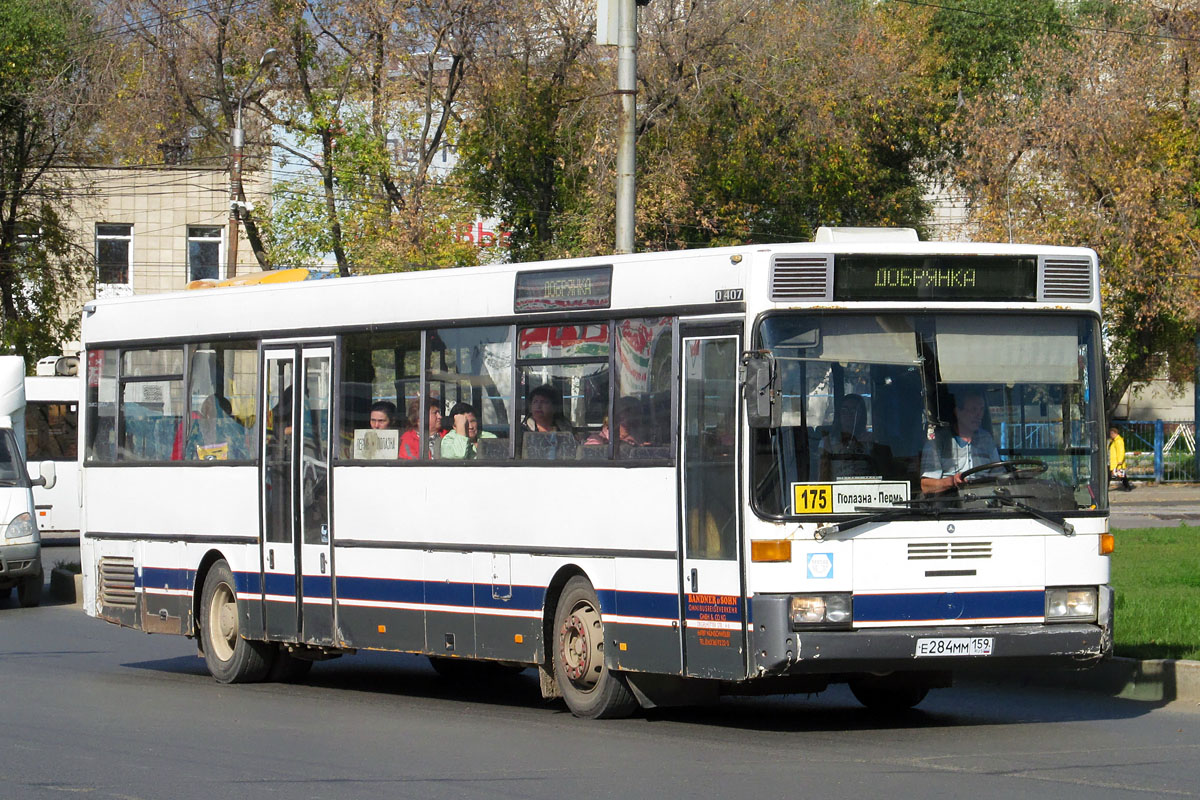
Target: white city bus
(697,473)
(52,434)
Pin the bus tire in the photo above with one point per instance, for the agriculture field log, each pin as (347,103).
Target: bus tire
(230,658)
(590,689)
(29,591)
(888,695)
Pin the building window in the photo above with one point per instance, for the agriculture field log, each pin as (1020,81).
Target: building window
(114,253)
(204,253)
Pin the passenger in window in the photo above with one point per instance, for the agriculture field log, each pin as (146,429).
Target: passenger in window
(544,411)
(848,449)
(947,455)
(629,425)
(216,435)
(410,440)
(383,415)
(461,441)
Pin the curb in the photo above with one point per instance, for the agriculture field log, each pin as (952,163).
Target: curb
(1149,681)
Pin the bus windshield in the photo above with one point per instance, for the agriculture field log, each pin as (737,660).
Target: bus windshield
(983,413)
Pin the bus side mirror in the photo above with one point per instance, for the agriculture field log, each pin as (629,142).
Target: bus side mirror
(761,390)
(47,476)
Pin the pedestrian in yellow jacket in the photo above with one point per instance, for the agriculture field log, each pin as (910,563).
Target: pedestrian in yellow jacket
(1116,459)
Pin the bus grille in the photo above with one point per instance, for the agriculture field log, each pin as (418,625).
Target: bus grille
(118,578)
(936,551)
(802,278)
(1068,279)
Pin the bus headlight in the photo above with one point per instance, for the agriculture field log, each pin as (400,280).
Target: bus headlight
(1071,605)
(22,526)
(821,610)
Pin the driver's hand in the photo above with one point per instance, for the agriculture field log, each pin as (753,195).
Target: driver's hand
(957,479)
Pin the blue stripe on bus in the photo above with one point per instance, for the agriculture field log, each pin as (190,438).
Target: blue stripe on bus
(654,605)
(381,590)
(938,606)
(659,605)
(524,598)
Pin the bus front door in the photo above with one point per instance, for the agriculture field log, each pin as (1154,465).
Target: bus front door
(296,557)
(711,595)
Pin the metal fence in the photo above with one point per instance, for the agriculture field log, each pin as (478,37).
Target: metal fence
(1159,450)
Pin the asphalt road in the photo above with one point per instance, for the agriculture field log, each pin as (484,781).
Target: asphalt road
(94,710)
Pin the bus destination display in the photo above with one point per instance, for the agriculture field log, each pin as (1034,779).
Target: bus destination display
(895,277)
(564,290)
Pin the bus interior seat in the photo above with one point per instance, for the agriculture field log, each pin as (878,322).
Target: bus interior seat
(552,446)
(491,449)
(593,452)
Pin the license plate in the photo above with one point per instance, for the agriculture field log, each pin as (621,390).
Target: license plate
(978,646)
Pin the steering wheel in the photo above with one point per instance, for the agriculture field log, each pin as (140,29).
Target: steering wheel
(1019,468)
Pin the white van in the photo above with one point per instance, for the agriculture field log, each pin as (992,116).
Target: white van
(20,543)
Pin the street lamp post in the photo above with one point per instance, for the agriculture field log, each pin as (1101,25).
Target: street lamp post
(236,139)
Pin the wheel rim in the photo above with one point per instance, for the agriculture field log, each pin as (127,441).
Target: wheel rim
(222,613)
(580,646)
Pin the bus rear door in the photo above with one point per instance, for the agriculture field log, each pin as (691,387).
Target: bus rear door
(296,543)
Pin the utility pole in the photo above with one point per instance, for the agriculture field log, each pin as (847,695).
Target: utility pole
(626,124)
(236,140)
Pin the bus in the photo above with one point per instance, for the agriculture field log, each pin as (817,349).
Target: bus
(655,478)
(52,434)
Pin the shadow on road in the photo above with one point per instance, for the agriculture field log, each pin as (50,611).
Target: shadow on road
(375,676)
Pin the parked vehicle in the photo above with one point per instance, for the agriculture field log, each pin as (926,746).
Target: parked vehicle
(20,543)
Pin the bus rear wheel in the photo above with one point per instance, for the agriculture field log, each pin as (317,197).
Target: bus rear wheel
(230,658)
(590,689)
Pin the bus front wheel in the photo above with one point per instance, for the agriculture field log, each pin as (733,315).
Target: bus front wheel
(230,658)
(888,694)
(590,689)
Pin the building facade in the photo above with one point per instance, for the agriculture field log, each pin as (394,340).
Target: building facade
(156,229)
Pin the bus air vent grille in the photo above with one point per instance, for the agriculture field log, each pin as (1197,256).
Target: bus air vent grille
(1067,279)
(801,278)
(937,551)
(118,579)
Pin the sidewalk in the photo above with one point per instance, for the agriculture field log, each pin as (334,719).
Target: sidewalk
(1149,494)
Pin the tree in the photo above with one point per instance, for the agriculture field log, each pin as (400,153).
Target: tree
(984,41)
(822,114)
(758,121)
(361,100)
(1098,144)
(526,146)
(373,92)
(47,82)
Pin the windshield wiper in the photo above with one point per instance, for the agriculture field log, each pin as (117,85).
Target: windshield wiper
(897,510)
(1005,498)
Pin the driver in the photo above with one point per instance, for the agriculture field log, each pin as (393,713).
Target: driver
(946,457)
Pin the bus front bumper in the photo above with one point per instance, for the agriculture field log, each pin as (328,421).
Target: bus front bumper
(778,650)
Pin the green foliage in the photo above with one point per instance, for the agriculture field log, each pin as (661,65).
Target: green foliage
(984,40)
(528,147)
(1156,577)
(1104,152)
(43,73)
